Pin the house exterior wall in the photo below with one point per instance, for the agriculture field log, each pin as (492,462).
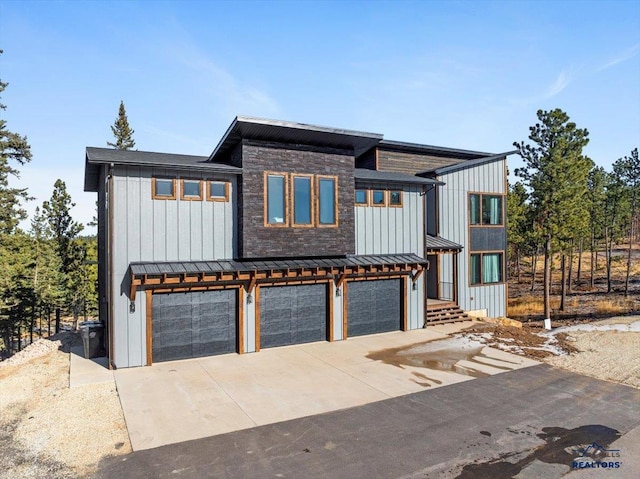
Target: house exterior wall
(260,241)
(410,163)
(454,225)
(395,230)
(145,229)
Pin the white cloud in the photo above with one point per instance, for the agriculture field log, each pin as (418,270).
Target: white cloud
(238,96)
(560,84)
(624,56)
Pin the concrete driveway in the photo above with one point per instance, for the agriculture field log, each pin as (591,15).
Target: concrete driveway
(182,400)
(536,422)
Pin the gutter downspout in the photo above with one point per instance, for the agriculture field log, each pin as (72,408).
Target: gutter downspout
(109,235)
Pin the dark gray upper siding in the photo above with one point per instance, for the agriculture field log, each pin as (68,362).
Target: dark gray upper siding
(260,241)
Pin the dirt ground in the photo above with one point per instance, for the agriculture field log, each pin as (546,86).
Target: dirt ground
(48,430)
(611,355)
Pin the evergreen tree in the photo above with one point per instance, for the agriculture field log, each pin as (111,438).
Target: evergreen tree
(595,202)
(555,172)
(13,149)
(71,253)
(628,169)
(121,131)
(517,224)
(15,258)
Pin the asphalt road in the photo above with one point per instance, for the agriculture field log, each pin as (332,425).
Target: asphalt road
(530,423)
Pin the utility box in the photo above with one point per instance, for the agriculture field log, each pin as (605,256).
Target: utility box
(92,333)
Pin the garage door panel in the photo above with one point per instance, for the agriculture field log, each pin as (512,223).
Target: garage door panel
(292,314)
(188,325)
(373,307)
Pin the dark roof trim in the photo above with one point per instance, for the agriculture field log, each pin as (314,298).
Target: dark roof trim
(430,149)
(439,244)
(468,164)
(363,174)
(293,133)
(95,157)
(251,266)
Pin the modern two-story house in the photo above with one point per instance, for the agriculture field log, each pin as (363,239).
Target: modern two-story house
(290,233)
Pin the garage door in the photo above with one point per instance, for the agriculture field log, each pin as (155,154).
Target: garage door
(293,314)
(373,307)
(191,325)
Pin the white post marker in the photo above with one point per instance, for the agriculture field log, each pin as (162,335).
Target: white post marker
(547,323)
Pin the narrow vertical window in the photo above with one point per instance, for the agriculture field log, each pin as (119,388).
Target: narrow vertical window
(276,199)
(492,268)
(491,210)
(302,200)
(474,209)
(475,269)
(327,201)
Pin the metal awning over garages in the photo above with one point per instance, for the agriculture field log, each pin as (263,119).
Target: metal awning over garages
(437,244)
(173,273)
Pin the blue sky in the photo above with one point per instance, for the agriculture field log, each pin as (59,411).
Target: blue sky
(467,74)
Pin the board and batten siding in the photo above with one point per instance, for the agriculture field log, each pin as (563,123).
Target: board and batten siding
(159,230)
(454,226)
(395,230)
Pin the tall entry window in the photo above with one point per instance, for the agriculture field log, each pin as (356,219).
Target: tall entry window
(302,201)
(276,194)
(327,201)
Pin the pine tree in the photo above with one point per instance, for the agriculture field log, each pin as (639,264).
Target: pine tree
(15,258)
(555,171)
(122,131)
(628,169)
(13,149)
(71,252)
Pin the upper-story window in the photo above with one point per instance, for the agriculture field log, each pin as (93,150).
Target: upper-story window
(485,210)
(395,198)
(362,197)
(311,200)
(218,191)
(327,201)
(191,190)
(276,199)
(302,200)
(163,189)
(378,198)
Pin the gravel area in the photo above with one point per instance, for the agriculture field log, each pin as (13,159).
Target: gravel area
(48,430)
(612,355)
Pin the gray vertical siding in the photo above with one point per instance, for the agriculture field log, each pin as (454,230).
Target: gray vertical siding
(159,230)
(387,230)
(454,225)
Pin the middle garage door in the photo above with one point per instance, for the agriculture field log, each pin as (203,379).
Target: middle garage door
(293,314)
(373,307)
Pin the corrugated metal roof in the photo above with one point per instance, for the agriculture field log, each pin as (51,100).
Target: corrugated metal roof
(105,156)
(244,127)
(364,174)
(439,243)
(228,266)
